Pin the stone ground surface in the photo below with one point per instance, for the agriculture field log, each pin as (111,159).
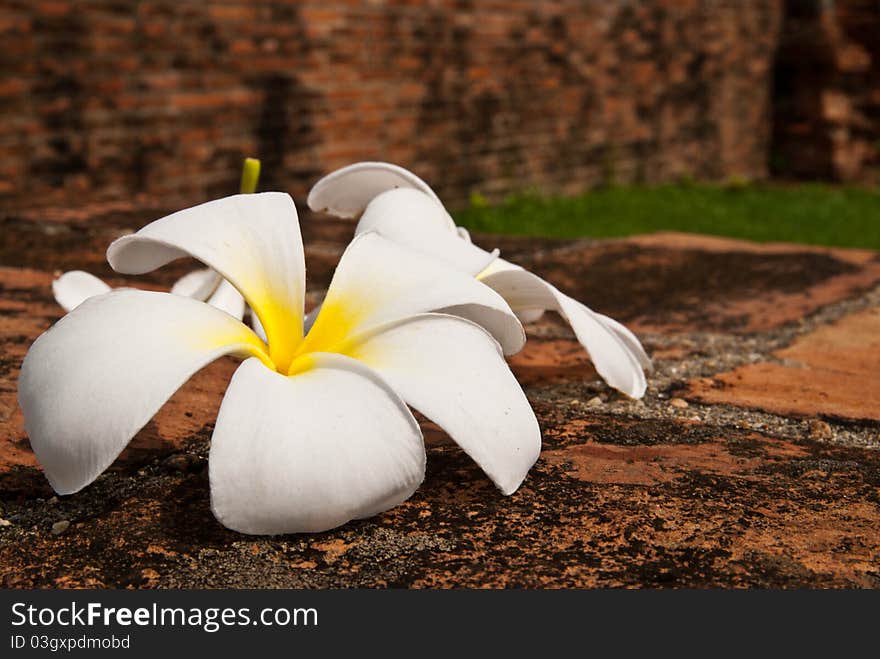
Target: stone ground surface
(751,462)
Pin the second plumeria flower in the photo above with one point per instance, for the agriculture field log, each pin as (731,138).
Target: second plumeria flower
(313,430)
(399,205)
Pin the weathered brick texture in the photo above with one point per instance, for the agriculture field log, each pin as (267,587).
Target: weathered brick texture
(827,92)
(103,99)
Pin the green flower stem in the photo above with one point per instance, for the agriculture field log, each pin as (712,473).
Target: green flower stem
(250,175)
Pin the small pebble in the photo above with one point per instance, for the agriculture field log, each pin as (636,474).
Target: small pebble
(178,462)
(680,403)
(820,429)
(149,576)
(595,401)
(183,463)
(60,527)
(5,522)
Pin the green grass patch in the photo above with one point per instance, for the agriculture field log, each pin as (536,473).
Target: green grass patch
(811,213)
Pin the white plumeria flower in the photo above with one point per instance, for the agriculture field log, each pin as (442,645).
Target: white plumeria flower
(73,288)
(399,205)
(313,431)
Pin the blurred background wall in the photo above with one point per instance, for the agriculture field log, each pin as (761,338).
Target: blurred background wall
(105,99)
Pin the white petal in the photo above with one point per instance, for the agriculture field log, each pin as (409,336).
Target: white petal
(378,281)
(228,299)
(409,208)
(72,288)
(198,284)
(210,287)
(310,452)
(347,191)
(498,265)
(453,372)
(529,315)
(93,380)
(509,334)
(629,339)
(613,359)
(258,326)
(252,240)
(411,218)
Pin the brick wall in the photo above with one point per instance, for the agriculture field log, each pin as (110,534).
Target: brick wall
(827,96)
(103,99)
(858,59)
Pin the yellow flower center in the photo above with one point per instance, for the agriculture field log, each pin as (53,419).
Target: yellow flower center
(332,331)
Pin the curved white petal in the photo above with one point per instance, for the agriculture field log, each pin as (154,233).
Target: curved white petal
(93,380)
(72,288)
(453,372)
(529,315)
(378,281)
(510,335)
(629,339)
(417,214)
(617,365)
(347,191)
(258,327)
(612,357)
(252,240)
(310,452)
(411,218)
(228,299)
(198,284)
(498,265)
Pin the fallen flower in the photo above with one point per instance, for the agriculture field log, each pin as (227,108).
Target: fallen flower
(314,430)
(397,204)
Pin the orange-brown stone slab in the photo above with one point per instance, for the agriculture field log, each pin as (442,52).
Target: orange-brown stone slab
(833,372)
(552,361)
(612,502)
